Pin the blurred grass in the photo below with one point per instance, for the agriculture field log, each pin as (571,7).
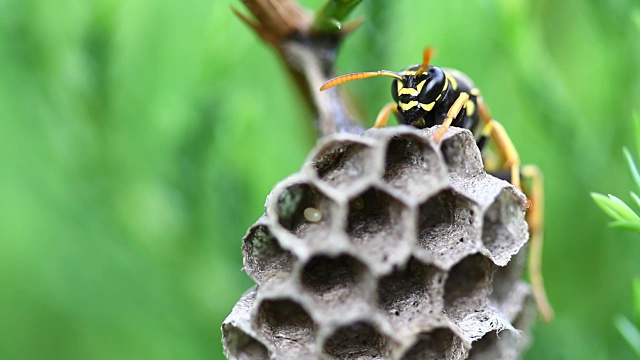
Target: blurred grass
(138,141)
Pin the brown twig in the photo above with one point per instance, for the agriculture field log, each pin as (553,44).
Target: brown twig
(309,55)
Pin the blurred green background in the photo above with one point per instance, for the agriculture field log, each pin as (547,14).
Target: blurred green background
(138,140)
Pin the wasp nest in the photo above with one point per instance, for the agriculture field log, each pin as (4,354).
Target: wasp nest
(386,246)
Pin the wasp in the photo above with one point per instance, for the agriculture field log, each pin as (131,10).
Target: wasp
(425,96)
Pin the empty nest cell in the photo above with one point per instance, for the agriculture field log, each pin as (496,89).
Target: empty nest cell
(413,166)
(242,345)
(305,211)
(495,346)
(448,226)
(287,325)
(359,340)
(377,224)
(506,279)
(504,229)
(462,154)
(440,343)
(411,292)
(334,281)
(264,258)
(342,163)
(468,286)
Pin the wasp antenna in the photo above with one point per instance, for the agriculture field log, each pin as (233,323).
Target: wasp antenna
(426,57)
(358,76)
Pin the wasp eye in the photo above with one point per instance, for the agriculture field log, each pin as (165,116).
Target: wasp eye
(434,86)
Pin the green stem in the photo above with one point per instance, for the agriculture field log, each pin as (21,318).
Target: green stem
(330,17)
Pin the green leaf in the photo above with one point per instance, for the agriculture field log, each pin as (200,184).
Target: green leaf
(636,298)
(635,198)
(636,126)
(606,205)
(632,166)
(626,225)
(629,332)
(623,209)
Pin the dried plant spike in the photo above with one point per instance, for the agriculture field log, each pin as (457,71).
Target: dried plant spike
(387,245)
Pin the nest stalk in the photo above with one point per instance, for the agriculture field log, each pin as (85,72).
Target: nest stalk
(307,45)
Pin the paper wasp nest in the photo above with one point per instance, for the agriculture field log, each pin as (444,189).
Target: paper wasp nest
(386,246)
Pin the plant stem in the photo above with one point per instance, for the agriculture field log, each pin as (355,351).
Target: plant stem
(308,55)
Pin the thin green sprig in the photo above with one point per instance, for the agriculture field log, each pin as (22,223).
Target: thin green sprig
(636,297)
(629,332)
(624,217)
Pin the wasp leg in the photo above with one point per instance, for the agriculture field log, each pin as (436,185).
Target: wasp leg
(453,112)
(383,115)
(500,137)
(534,191)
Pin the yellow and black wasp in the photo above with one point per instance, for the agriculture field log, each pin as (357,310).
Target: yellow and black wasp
(425,96)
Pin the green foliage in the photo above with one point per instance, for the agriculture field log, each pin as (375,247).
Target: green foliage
(629,332)
(138,140)
(636,297)
(624,217)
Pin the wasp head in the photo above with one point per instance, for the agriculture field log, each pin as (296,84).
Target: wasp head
(417,93)
(416,90)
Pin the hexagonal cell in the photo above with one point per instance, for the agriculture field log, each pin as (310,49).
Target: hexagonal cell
(293,204)
(462,154)
(412,292)
(506,279)
(504,230)
(522,322)
(495,346)
(440,343)
(242,346)
(335,281)
(360,340)
(287,325)
(377,224)
(342,163)
(468,286)
(413,167)
(448,225)
(264,258)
